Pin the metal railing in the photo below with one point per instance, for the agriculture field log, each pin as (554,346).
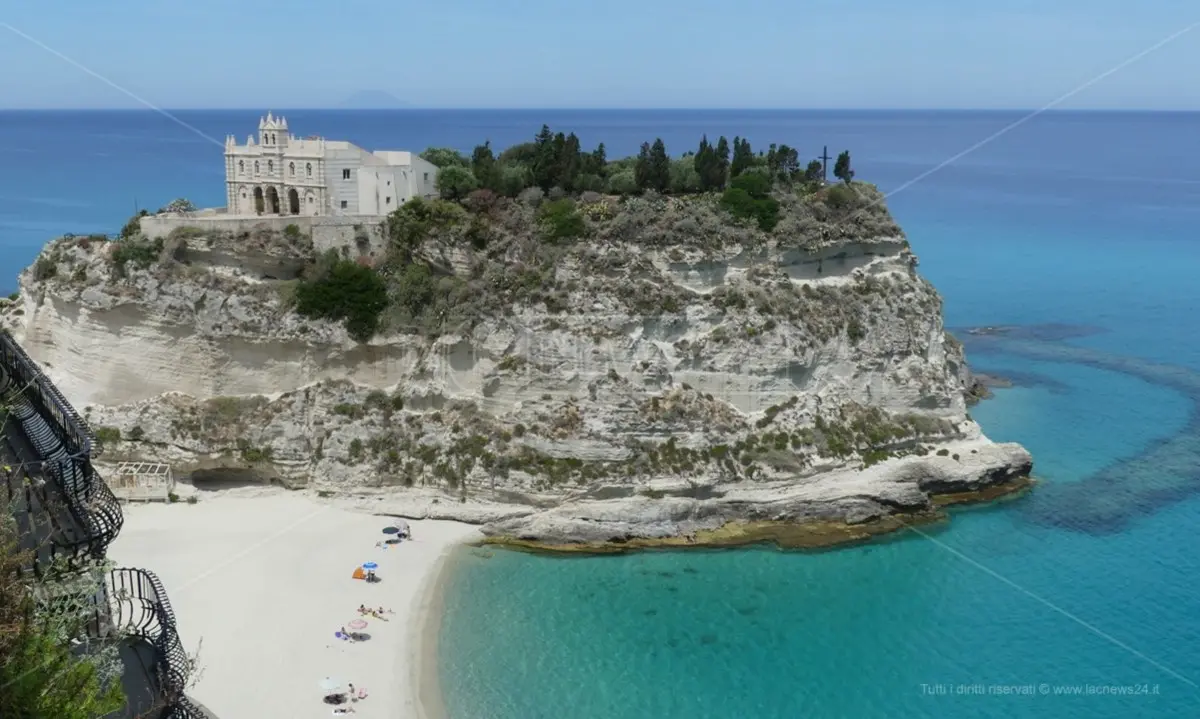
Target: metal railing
(63,443)
(138,606)
(72,430)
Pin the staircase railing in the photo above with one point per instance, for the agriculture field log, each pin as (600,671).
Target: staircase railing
(139,607)
(73,430)
(63,443)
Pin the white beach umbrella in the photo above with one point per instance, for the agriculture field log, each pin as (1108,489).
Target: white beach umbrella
(332,686)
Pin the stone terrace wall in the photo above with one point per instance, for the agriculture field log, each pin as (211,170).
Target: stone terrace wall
(328,233)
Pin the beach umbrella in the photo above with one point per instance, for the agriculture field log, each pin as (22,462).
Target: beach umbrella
(357,624)
(332,686)
(391,530)
(370,566)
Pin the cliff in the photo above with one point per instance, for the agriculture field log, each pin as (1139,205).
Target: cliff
(668,373)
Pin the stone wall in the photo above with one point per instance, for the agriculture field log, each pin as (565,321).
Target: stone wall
(330,232)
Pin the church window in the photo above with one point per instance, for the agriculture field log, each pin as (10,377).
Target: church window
(389,200)
(427,178)
(270,167)
(256,167)
(272,138)
(241,167)
(308,169)
(345,174)
(344,204)
(292,169)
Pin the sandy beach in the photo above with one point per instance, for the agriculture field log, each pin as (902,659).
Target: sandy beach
(260,580)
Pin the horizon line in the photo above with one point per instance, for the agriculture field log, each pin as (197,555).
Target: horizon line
(431,108)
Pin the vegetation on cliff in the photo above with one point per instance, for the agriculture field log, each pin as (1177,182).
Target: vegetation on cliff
(531,226)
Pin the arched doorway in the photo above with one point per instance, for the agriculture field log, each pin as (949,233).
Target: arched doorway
(293,202)
(258,200)
(272,201)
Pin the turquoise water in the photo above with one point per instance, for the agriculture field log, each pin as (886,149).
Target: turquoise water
(1026,593)
(1085,219)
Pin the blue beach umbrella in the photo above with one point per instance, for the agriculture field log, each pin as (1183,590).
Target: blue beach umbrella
(391,530)
(370,566)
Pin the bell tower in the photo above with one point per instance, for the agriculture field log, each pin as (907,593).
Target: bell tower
(273,132)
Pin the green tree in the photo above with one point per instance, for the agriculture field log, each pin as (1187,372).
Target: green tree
(596,162)
(623,182)
(660,166)
(454,182)
(814,171)
(444,157)
(842,169)
(568,161)
(684,177)
(722,153)
(560,220)
(524,153)
(345,291)
(513,178)
(743,157)
(709,168)
(643,170)
(483,165)
(545,159)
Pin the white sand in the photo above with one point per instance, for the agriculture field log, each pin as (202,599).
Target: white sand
(261,578)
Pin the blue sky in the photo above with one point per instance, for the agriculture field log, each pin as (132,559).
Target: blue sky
(600,53)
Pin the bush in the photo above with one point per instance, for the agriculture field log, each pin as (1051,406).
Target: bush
(740,204)
(444,157)
(44,269)
(623,183)
(292,232)
(455,183)
(560,220)
(415,288)
(108,435)
(133,226)
(348,292)
(513,179)
(841,197)
(141,253)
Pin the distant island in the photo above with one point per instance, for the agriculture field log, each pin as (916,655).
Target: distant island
(373,100)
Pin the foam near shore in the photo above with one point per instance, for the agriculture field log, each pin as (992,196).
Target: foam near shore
(260,580)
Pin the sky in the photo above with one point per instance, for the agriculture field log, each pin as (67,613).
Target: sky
(1002,54)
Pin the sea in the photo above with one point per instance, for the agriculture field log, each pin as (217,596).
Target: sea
(1077,232)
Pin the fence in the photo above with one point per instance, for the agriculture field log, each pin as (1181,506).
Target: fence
(144,481)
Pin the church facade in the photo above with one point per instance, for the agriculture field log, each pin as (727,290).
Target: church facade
(280,174)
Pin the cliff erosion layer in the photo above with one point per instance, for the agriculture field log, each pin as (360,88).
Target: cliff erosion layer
(669,371)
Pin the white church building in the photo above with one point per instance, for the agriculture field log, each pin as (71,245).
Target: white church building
(281,174)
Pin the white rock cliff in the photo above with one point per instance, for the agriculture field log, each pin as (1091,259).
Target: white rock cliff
(659,379)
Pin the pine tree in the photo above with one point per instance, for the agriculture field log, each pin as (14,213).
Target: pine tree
(483,165)
(642,171)
(787,163)
(721,170)
(660,165)
(703,161)
(841,168)
(568,163)
(544,158)
(813,172)
(743,157)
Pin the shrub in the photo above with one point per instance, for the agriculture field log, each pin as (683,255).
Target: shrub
(623,183)
(348,292)
(141,253)
(107,435)
(44,269)
(742,205)
(560,220)
(444,157)
(292,232)
(133,226)
(415,288)
(513,179)
(841,197)
(137,434)
(455,183)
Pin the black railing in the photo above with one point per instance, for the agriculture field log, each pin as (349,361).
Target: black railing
(139,607)
(72,430)
(61,444)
